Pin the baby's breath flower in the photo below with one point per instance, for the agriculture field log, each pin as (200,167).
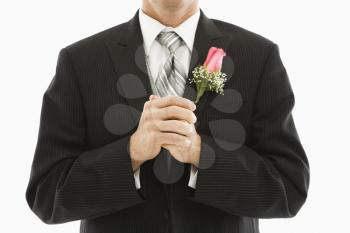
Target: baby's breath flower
(208,81)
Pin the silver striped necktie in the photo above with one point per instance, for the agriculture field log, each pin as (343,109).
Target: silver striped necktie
(171,79)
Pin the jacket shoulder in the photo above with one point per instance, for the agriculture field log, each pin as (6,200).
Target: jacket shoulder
(97,40)
(242,36)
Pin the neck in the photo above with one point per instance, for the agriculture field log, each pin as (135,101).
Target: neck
(170,16)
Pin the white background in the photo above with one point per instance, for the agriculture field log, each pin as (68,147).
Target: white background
(313,37)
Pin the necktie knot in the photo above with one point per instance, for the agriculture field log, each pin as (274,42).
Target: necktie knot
(171,40)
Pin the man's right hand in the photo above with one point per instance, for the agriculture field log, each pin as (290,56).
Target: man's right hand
(163,121)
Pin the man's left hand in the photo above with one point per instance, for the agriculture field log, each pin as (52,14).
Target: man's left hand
(187,153)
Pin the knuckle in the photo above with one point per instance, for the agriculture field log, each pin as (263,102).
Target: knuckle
(171,111)
(174,110)
(146,115)
(189,115)
(151,113)
(147,104)
(165,112)
(167,100)
(181,125)
(176,124)
(172,98)
(188,128)
(194,118)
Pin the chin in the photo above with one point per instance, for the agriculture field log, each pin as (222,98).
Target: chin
(173,4)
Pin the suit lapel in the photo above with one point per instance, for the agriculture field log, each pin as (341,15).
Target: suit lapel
(207,35)
(128,57)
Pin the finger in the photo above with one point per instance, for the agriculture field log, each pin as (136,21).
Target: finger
(176,126)
(174,139)
(152,97)
(176,113)
(174,100)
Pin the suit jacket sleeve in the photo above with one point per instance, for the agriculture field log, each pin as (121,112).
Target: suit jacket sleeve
(269,178)
(69,182)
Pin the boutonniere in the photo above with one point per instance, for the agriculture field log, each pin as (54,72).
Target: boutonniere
(208,77)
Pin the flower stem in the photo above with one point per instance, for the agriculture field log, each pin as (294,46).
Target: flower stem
(200,92)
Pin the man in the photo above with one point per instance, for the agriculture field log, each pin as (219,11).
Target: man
(123,152)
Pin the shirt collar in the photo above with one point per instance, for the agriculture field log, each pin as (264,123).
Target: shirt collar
(150,28)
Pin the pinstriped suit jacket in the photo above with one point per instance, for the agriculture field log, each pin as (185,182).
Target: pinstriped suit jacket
(82,170)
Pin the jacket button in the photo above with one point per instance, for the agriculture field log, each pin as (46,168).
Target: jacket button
(166,214)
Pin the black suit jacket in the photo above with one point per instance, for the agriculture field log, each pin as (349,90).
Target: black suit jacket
(82,170)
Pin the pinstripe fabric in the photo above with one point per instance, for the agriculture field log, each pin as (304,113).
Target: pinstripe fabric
(81,171)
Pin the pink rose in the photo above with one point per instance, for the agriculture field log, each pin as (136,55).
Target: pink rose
(213,62)
(208,77)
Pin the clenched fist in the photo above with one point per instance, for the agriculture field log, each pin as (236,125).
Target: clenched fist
(166,122)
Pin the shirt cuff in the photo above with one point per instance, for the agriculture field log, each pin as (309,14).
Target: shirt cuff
(137,178)
(193,177)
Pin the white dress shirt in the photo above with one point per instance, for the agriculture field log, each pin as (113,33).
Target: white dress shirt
(156,56)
